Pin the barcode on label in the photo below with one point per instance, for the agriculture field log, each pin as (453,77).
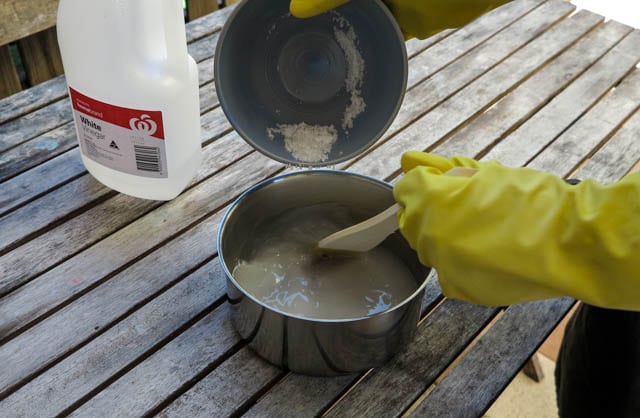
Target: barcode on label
(147,158)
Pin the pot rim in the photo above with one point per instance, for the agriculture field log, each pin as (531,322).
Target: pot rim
(246,293)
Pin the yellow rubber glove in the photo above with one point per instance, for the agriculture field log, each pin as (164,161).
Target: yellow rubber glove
(509,235)
(419,18)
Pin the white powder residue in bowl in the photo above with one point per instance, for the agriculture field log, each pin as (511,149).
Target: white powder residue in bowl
(313,143)
(347,39)
(307,143)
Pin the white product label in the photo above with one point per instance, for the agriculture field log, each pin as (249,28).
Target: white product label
(123,139)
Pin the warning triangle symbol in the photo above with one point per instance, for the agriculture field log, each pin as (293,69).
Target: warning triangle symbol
(114,145)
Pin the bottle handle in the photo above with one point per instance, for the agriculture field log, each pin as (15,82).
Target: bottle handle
(175,31)
(158,31)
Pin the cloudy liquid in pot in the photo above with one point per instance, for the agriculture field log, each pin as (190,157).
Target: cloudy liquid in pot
(283,270)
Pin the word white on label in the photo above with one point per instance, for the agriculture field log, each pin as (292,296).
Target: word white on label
(127,140)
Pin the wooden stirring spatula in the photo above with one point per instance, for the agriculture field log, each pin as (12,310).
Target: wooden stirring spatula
(371,232)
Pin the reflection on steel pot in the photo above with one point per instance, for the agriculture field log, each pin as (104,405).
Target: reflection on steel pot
(312,345)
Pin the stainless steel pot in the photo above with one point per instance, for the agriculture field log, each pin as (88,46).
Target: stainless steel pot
(311,346)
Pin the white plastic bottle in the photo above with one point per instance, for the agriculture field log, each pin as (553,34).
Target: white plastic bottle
(134,93)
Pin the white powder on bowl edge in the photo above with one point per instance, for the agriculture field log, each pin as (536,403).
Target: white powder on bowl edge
(347,40)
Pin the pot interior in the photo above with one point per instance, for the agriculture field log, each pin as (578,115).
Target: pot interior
(363,196)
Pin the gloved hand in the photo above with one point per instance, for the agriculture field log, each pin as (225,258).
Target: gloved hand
(509,235)
(419,18)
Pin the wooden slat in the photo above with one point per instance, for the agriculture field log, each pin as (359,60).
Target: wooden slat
(618,155)
(297,396)
(583,137)
(445,83)
(107,304)
(180,361)
(33,124)
(125,342)
(222,392)
(51,174)
(32,153)
(199,8)
(31,99)
(204,48)
(528,98)
(415,46)
(9,79)
(58,202)
(456,76)
(551,121)
(491,364)
(23,18)
(470,36)
(208,24)
(41,56)
(481,94)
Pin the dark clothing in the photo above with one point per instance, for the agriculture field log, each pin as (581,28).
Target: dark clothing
(598,368)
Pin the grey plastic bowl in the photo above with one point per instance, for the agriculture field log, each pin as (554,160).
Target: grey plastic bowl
(272,68)
(305,345)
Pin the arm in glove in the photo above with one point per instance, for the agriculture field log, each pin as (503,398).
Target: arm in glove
(509,235)
(419,18)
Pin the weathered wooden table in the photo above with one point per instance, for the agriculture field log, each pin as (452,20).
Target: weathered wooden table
(115,306)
